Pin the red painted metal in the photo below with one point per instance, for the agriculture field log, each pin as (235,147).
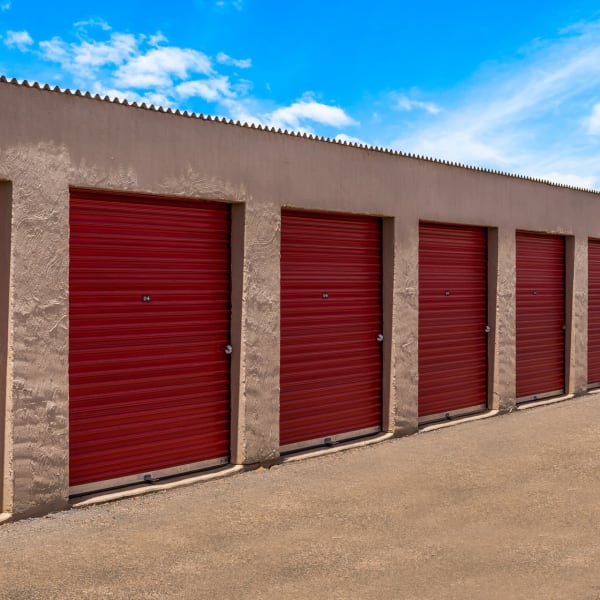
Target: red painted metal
(452,318)
(540,314)
(331,361)
(594,312)
(149,380)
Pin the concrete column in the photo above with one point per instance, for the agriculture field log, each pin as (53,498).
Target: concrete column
(255,407)
(5,246)
(38,455)
(502,302)
(405,327)
(576,291)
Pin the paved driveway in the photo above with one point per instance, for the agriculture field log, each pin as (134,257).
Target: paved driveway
(506,508)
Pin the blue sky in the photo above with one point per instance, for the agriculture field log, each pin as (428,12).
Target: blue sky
(513,86)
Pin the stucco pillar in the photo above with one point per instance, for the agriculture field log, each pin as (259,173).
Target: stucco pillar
(38,452)
(405,327)
(5,245)
(576,314)
(503,307)
(255,410)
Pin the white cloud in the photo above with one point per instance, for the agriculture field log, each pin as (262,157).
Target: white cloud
(579,181)
(405,103)
(94,54)
(225,59)
(132,96)
(245,110)
(145,68)
(309,110)
(156,39)
(592,122)
(209,89)
(19,39)
(85,57)
(342,137)
(159,66)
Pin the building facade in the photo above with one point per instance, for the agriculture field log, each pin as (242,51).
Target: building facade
(180,292)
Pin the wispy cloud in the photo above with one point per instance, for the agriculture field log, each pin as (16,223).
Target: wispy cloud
(211,89)
(592,121)
(236,4)
(225,59)
(4,6)
(405,103)
(18,39)
(93,22)
(342,137)
(531,116)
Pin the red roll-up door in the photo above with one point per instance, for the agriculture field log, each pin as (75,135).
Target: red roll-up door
(540,315)
(594,312)
(331,315)
(149,305)
(452,320)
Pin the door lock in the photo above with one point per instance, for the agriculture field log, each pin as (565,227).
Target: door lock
(228,349)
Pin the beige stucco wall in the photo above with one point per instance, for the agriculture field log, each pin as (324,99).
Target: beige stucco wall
(5,237)
(51,141)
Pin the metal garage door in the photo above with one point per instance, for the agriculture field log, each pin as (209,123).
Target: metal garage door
(594,313)
(331,316)
(452,320)
(149,320)
(540,315)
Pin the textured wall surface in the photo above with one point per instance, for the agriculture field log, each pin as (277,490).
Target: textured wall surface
(504,390)
(52,141)
(5,237)
(260,326)
(577,318)
(406,326)
(38,377)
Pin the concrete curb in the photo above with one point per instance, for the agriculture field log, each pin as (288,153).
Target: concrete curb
(452,423)
(536,403)
(324,451)
(156,487)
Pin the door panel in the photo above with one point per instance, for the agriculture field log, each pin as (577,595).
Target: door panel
(331,314)
(149,318)
(452,319)
(540,315)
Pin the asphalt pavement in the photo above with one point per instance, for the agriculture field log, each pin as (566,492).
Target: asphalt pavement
(503,508)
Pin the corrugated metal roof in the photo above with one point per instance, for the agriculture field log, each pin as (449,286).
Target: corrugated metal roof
(309,136)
